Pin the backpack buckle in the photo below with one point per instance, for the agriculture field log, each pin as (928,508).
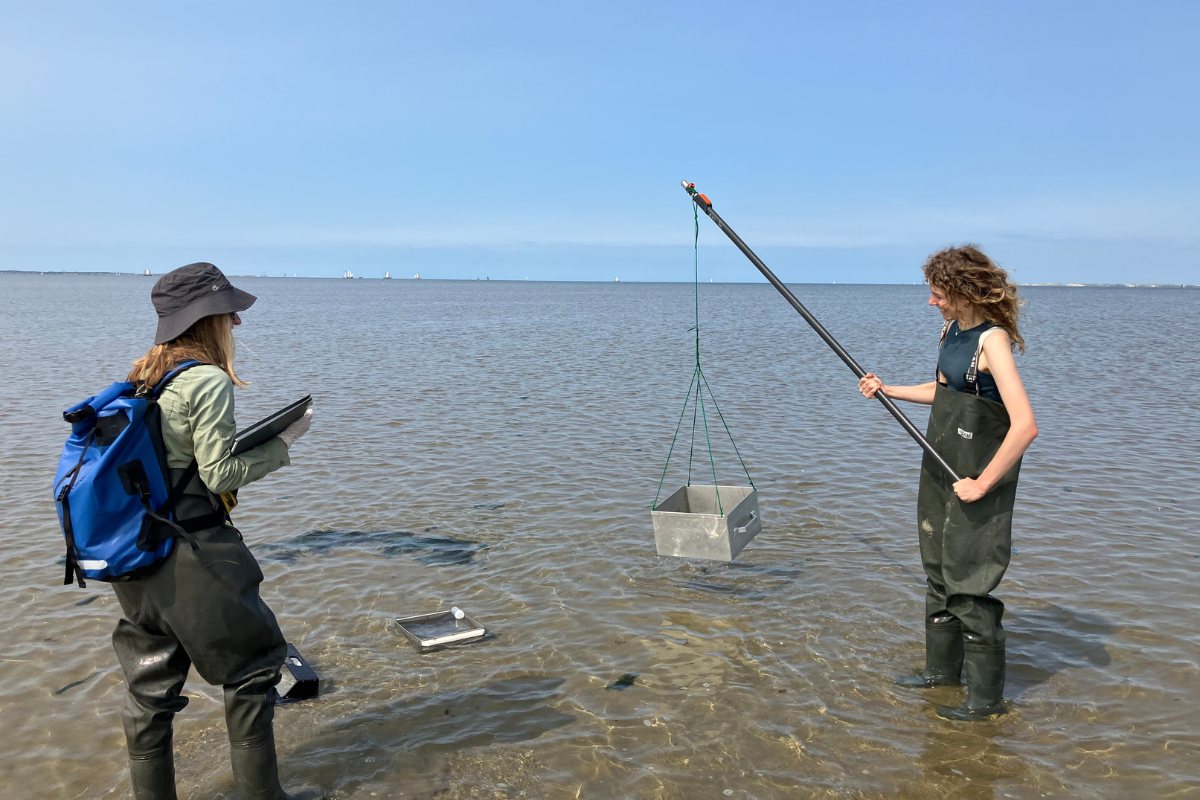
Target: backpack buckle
(134,479)
(148,538)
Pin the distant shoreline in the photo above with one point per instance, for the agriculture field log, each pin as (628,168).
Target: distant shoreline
(517,280)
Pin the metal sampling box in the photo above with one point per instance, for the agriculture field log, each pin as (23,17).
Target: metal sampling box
(297,680)
(689,523)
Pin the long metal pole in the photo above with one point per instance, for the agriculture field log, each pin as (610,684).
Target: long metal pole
(706,206)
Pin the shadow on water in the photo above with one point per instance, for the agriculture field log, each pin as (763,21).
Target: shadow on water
(1047,639)
(406,736)
(783,573)
(736,580)
(712,587)
(432,550)
(886,555)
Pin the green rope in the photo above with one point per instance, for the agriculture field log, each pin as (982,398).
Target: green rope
(673,438)
(700,383)
(708,439)
(727,431)
(696,264)
(692,444)
(696,375)
(699,392)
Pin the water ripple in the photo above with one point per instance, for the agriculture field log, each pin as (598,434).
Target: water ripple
(497,445)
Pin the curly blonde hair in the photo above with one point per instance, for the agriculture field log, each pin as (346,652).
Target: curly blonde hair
(966,274)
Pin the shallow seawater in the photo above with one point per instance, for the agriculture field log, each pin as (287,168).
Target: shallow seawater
(496,446)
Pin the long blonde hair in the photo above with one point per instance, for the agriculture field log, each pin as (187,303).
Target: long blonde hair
(966,274)
(210,340)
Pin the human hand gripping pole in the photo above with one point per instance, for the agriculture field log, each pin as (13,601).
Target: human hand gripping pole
(705,205)
(292,432)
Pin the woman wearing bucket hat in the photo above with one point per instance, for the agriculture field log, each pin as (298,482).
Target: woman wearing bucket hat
(185,613)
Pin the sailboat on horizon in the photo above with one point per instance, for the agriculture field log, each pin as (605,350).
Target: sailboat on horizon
(348,274)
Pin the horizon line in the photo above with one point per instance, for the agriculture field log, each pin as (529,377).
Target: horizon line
(1119,285)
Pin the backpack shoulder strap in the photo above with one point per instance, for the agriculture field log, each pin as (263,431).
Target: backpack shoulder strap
(164,514)
(174,373)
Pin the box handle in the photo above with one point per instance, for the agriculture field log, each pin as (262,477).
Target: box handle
(745,524)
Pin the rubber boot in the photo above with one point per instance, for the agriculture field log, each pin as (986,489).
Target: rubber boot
(249,718)
(153,776)
(256,771)
(943,655)
(983,667)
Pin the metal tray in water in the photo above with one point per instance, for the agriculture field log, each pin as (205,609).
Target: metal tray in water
(435,631)
(689,524)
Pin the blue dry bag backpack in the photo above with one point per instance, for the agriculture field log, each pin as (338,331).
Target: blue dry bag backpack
(113,488)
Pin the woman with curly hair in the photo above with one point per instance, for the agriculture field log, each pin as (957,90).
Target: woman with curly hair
(981,423)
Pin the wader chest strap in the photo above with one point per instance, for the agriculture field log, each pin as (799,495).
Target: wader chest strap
(937,373)
(972,374)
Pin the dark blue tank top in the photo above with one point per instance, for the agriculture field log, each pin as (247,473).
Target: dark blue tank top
(954,359)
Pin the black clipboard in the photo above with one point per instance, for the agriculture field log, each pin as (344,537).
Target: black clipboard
(267,429)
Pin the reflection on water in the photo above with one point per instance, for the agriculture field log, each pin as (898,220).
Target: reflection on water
(1048,639)
(496,446)
(395,737)
(432,550)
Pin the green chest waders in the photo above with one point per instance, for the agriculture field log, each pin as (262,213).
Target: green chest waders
(965,549)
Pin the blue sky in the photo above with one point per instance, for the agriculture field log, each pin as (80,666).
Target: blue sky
(843,141)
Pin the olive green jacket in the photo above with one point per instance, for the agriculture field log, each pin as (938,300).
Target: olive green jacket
(197,422)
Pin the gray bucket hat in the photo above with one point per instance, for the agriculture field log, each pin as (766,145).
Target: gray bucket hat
(187,295)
